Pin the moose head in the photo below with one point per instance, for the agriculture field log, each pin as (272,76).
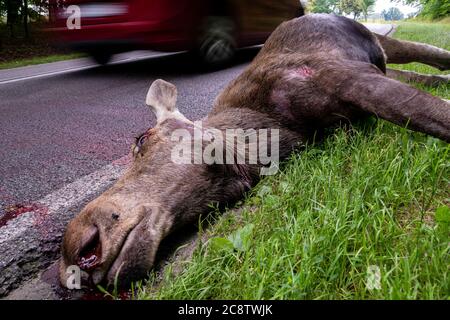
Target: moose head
(118,234)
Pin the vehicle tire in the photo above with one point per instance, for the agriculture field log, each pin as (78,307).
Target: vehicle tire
(102,58)
(217,44)
(300,12)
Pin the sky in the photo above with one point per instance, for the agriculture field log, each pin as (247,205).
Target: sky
(381,5)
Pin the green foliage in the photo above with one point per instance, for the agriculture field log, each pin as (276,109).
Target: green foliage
(239,240)
(17,14)
(443,214)
(221,244)
(442,218)
(434,9)
(39,60)
(366,7)
(351,7)
(324,6)
(355,7)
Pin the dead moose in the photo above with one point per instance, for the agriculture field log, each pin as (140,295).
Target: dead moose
(313,72)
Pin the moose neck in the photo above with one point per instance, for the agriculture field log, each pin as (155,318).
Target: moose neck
(249,119)
(240,118)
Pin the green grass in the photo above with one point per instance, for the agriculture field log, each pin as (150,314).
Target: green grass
(39,60)
(374,195)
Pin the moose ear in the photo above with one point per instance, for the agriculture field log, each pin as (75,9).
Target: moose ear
(162,99)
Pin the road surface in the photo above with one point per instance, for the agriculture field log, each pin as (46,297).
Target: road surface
(58,128)
(66,129)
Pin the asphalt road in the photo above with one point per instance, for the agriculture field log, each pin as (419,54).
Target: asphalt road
(58,128)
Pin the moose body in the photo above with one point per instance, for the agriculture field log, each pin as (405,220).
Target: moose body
(313,72)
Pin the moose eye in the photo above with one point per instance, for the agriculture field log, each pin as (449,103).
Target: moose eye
(139,142)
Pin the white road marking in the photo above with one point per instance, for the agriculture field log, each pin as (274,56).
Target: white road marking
(69,70)
(46,74)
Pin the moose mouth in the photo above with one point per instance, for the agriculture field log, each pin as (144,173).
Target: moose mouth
(90,259)
(90,255)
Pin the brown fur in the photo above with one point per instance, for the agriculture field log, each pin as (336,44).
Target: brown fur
(313,72)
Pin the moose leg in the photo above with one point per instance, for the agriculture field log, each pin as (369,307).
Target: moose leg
(400,51)
(410,76)
(363,86)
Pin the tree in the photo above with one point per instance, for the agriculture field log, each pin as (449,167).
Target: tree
(351,7)
(25,17)
(19,12)
(12,15)
(324,6)
(366,7)
(392,14)
(434,9)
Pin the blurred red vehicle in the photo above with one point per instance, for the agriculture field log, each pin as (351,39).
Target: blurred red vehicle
(213,29)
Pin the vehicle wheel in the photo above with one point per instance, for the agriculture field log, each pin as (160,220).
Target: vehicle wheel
(217,44)
(300,12)
(101,58)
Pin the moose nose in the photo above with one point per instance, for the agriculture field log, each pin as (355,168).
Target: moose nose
(91,250)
